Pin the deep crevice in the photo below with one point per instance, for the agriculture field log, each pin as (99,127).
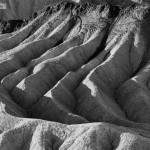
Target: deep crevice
(11,25)
(114,13)
(101,46)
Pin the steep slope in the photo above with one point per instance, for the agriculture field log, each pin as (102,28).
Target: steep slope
(20,9)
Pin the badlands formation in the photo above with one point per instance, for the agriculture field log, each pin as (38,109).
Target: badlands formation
(77,77)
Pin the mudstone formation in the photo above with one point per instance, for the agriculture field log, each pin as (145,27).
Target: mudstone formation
(77,77)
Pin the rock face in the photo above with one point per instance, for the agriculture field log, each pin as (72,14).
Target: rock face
(24,9)
(77,77)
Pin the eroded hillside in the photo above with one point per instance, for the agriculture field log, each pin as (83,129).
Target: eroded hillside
(77,77)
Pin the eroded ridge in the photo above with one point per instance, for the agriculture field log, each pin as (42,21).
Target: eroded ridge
(71,66)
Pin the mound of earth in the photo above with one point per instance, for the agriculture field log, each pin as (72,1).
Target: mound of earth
(76,77)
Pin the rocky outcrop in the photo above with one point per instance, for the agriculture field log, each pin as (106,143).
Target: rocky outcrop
(77,77)
(20,9)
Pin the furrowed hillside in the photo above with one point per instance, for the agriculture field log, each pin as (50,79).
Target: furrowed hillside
(77,77)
